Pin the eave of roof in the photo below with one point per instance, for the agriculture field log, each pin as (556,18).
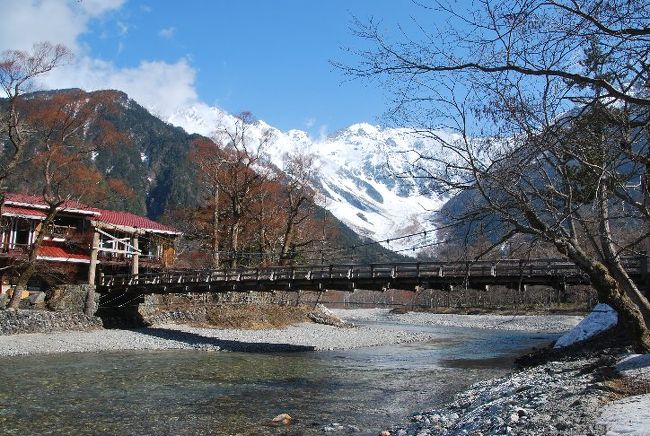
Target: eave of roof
(120,220)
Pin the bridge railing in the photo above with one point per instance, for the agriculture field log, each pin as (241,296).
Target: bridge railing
(421,270)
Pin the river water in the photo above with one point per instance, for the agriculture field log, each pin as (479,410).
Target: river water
(198,392)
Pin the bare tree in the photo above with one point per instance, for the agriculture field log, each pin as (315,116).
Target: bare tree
(210,161)
(242,174)
(299,202)
(548,107)
(59,152)
(18,70)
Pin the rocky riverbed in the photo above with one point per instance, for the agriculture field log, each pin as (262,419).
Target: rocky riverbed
(561,397)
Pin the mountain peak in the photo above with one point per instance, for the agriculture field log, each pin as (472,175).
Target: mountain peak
(354,178)
(364,129)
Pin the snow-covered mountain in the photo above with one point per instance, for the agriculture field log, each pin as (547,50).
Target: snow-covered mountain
(357,169)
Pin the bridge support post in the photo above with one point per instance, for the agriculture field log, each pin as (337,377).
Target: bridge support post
(561,288)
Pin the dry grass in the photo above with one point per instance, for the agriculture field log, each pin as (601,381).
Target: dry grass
(621,387)
(257,317)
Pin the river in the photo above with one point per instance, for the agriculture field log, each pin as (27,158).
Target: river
(198,392)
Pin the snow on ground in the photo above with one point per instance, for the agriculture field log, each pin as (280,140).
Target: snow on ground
(601,318)
(630,415)
(635,365)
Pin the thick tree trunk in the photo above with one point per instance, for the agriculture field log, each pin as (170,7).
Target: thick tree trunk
(21,285)
(634,308)
(89,302)
(611,292)
(286,244)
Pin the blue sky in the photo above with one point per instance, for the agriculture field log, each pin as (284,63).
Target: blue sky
(267,57)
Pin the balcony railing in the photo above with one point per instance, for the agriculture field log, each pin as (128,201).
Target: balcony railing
(61,232)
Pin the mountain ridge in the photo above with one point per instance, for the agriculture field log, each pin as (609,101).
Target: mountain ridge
(357,166)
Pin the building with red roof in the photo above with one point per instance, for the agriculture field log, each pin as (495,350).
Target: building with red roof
(83,238)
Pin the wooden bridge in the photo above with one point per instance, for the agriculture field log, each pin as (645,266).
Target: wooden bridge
(513,273)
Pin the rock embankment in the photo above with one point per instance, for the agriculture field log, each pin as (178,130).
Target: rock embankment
(560,397)
(42,321)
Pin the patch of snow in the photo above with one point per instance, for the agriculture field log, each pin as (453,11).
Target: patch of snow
(601,318)
(631,415)
(635,365)
(627,416)
(143,157)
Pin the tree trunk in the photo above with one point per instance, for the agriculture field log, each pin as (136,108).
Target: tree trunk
(610,292)
(215,231)
(234,243)
(89,302)
(629,314)
(286,244)
(30,266)
(21,285)
(634,307)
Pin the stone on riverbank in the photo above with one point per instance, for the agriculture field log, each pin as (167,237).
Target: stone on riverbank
(282,419)
(322,315)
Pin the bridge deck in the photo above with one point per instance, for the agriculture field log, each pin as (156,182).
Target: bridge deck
(433,275)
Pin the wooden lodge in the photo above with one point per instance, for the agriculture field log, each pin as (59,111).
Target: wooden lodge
(82,240)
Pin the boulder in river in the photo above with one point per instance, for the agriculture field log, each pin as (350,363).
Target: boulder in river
(322,315)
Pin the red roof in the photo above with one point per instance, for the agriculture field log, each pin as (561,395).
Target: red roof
(53,251)
(22,202)
(35,201)
(23,212)
(131,220)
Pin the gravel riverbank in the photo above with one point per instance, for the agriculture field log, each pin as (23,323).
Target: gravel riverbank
(526,323)
(170,336)
(294,338)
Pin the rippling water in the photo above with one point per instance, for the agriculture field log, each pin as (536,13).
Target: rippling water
(197,392)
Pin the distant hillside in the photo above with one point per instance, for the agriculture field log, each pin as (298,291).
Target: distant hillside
(151,159)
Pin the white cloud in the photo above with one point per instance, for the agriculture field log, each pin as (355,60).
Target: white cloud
(24,23)
(167,33)
(310,122)
(160,86)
